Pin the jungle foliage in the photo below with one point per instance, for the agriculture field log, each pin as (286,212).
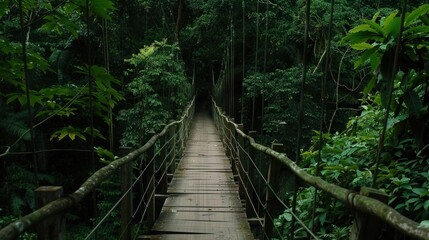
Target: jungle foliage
(131,60)
(84,64)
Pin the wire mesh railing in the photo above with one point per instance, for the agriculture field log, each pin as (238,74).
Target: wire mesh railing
(265,204)
(158,158)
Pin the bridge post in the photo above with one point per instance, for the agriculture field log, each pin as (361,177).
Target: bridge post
(273,206)
(127,202)
(367,227)
(52,228)
(150,184)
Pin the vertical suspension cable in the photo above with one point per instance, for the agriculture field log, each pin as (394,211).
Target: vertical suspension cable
(264,68)
(243,57)
(232,66)
(301,106)
(256,61)
(227,79)
(104,30)
(27,93)
(390,93)
(323,105)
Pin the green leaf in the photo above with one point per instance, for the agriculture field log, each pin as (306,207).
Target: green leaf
(102,8)
(361,46)
(375,61)
(374,18)
(420,11)
(62,134)
(376,27)
(362,36)
(420,191)
(392,26)
(72,135)
(368,88)
(365,56)
(412,101)
(105,154)
(362,28)
(424,224)
(426,205)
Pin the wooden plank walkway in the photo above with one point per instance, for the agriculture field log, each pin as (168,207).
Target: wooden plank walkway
(203,200)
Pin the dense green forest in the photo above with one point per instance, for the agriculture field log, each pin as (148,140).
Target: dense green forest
(81,78)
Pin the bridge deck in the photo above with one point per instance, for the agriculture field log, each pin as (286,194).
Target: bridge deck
(203,200)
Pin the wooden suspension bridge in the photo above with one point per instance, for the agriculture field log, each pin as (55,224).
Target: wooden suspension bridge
(213,192)
(203,200)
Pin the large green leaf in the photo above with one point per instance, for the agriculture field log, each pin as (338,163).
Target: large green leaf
(391,26)
(362,36)
(420,11)
(366,55)
(362,28)
(375,26)
(361,46)
(102,8)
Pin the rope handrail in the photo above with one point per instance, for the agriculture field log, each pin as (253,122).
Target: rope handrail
(14,229)
(355,200)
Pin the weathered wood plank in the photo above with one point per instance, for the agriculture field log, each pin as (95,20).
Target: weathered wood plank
(203,201)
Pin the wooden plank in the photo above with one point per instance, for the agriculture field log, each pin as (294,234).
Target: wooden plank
(184,236)
(201,227)
(203,216)
(203,200)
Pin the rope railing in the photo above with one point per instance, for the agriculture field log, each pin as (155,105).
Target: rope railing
(234,138)
(65,203)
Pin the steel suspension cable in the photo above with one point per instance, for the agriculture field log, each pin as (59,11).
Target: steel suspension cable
(266,183)
(323,105)
(301,107)
(27,93)
(390,93)
(264,68)
(243,61)
(256,62)
(105,33)
(230,65)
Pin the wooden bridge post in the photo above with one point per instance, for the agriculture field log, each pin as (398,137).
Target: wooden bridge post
(241,172)
(273,207)
(127,202)
(367,227)
(150,184)
(52,228)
